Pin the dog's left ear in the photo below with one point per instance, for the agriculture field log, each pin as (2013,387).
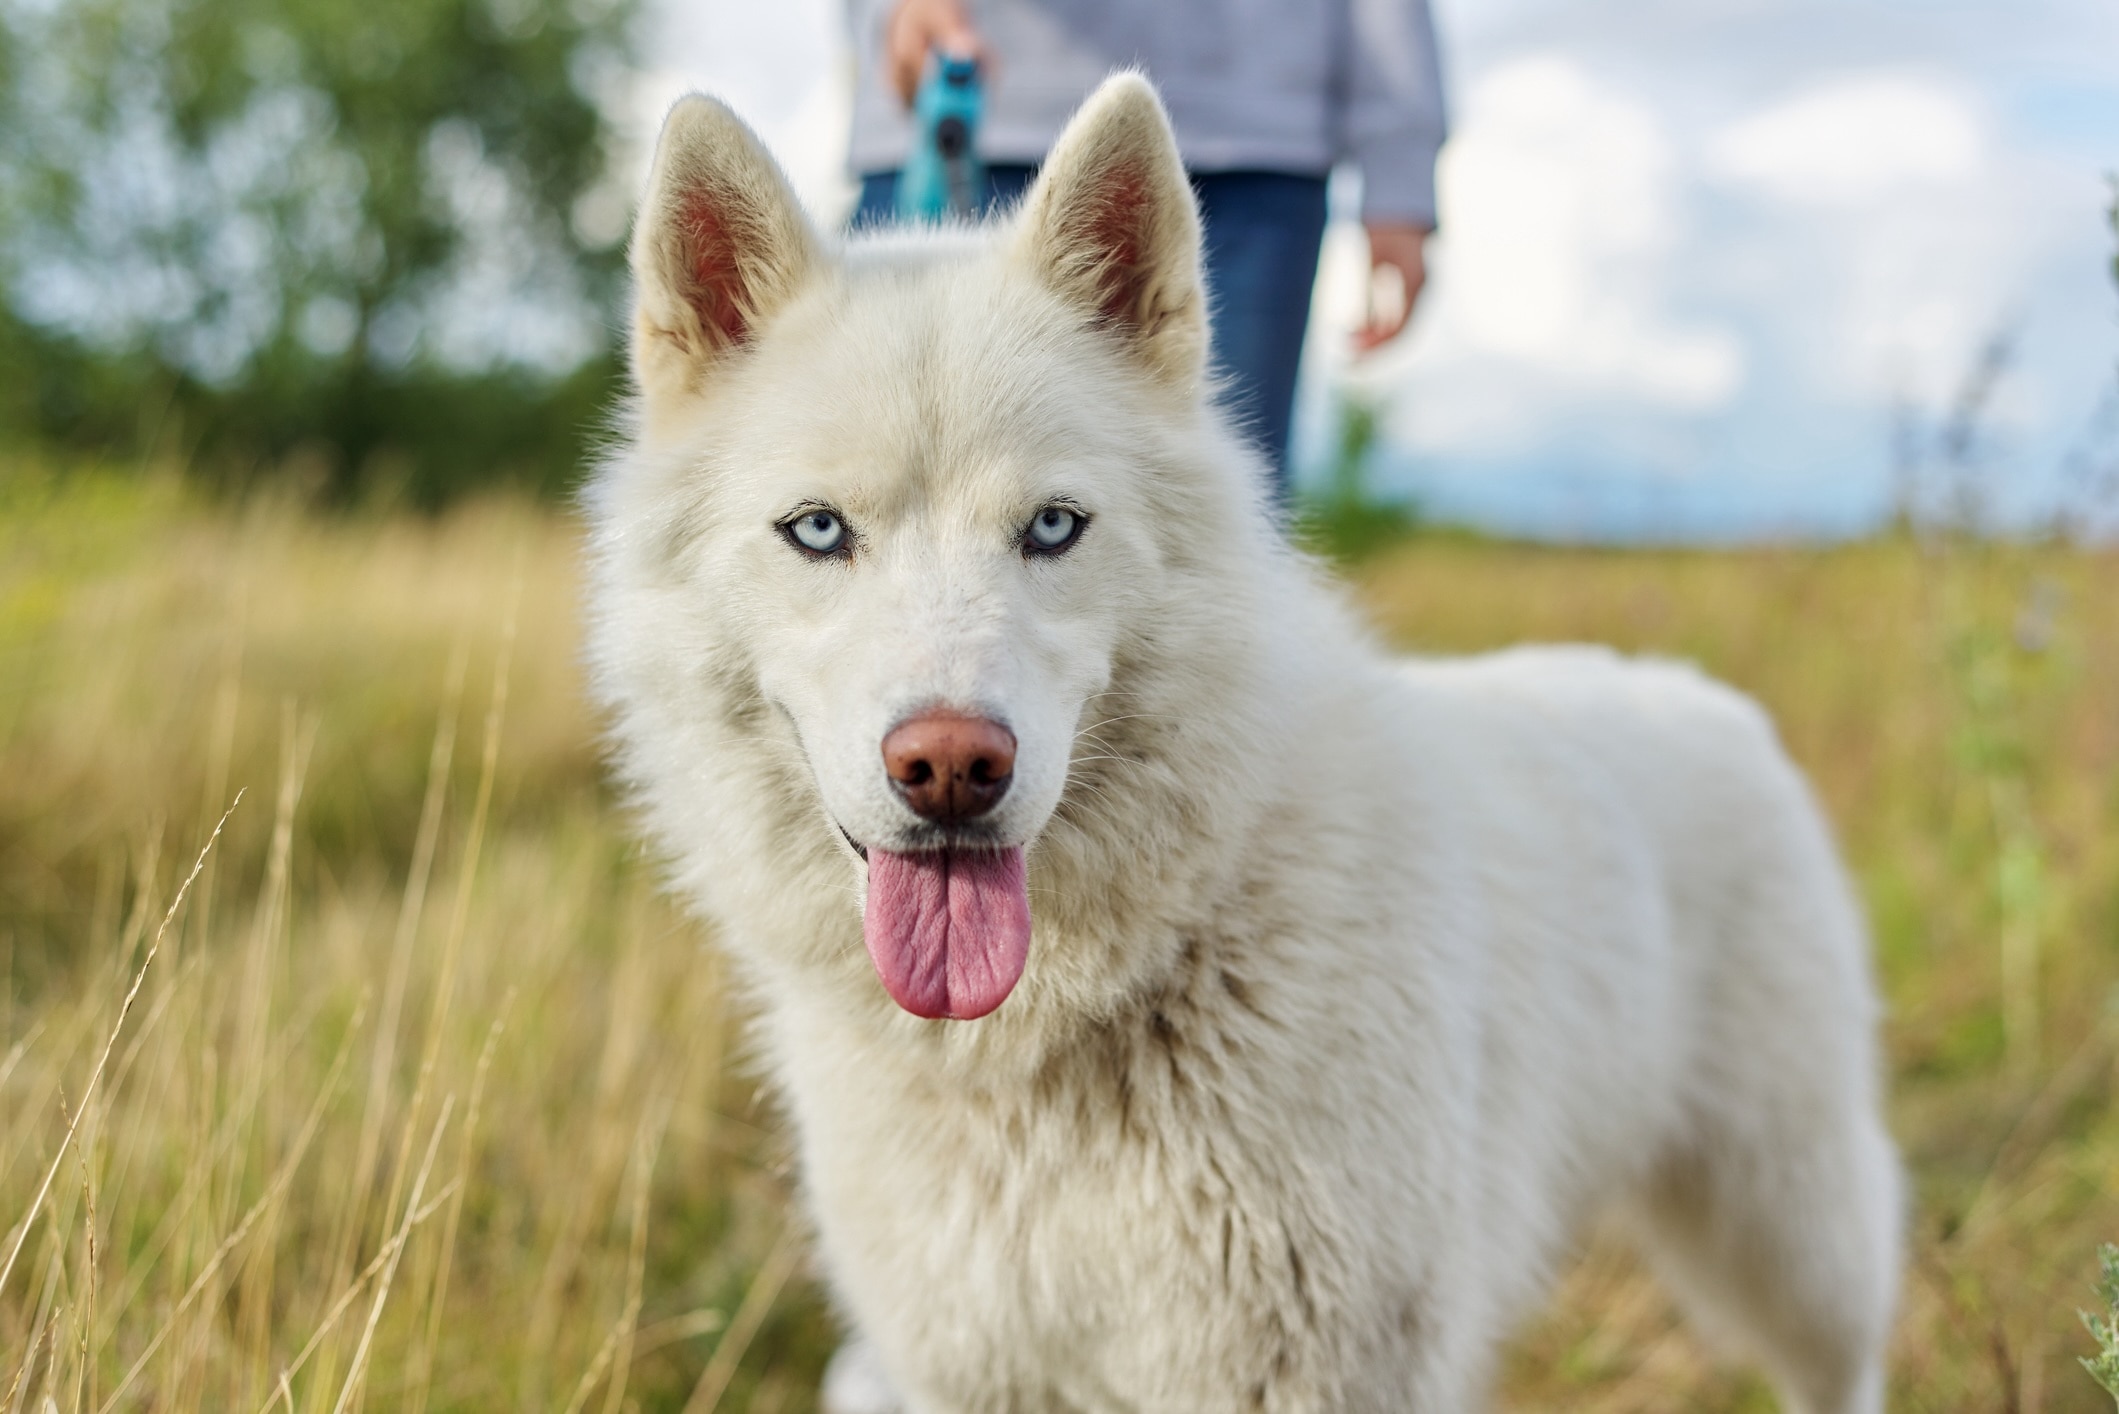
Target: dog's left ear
(719,246)
(1111,225)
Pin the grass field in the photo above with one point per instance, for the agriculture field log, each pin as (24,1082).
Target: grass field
(425,1100)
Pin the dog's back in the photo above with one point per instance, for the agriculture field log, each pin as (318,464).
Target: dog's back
(1736,977)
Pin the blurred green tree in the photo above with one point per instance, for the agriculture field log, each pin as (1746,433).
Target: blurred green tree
(1347,520)
(371,239)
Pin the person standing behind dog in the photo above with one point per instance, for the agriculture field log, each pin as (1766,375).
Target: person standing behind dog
(1266,96)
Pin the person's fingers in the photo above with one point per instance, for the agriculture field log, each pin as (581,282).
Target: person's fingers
(1373,337)
(956,38)
(918,26)
(1397,271)
(1390,304)
(905,43)
(906,51)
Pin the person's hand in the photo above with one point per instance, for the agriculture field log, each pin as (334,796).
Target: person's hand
(1397,258)
(917,26)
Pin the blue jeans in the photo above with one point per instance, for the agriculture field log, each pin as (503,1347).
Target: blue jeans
(1263,232)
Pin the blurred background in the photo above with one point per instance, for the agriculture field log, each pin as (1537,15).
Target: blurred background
(350,1053)
(1707,271)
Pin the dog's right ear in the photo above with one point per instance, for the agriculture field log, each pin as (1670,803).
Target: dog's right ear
(1110,224)
(719,246)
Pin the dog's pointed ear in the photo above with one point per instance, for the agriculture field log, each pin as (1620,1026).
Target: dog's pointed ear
(1111,225)
(719,246)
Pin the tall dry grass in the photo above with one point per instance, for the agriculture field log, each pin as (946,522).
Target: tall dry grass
(427,1100)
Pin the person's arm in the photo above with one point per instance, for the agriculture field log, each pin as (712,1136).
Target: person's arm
(914,28)
(1393,128)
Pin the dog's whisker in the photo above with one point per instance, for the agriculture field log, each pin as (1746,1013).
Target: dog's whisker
(1130,717)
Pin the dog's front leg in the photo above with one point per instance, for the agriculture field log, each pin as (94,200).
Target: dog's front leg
(855,1382)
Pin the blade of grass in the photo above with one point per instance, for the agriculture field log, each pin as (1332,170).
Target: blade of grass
(44,1189)
(273,1190)
(359,1368)
(412,907)
(459,917)
(439,1298)
(283,1385)
(617,1345)
(757,1304)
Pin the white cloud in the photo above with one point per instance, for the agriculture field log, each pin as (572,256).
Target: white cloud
(1712,237)
(1891,222)
(783,66)
(1855,139)
(1562,206)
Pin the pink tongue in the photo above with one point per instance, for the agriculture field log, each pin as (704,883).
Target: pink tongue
(948,930)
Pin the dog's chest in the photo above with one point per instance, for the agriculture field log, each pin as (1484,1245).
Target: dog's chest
(1108,1237)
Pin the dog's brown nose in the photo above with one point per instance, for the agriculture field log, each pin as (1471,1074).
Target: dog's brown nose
(948,766)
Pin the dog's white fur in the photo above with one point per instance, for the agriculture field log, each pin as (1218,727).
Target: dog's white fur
(1356,985)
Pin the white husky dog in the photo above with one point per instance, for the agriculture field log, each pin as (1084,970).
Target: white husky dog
(1183,1005)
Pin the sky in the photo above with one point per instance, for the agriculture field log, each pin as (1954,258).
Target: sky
(1707,269)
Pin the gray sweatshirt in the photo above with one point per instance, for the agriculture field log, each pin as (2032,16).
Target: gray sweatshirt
(1252,85)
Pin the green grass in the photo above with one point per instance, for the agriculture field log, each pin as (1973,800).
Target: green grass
(1346,520)
(2104,1327)
(372,964)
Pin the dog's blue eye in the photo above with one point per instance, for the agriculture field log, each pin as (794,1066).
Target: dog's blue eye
(1052,530)
(819,532)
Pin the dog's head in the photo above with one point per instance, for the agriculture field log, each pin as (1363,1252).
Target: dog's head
(914,497)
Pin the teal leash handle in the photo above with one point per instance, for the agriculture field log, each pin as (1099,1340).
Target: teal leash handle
(943,176)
